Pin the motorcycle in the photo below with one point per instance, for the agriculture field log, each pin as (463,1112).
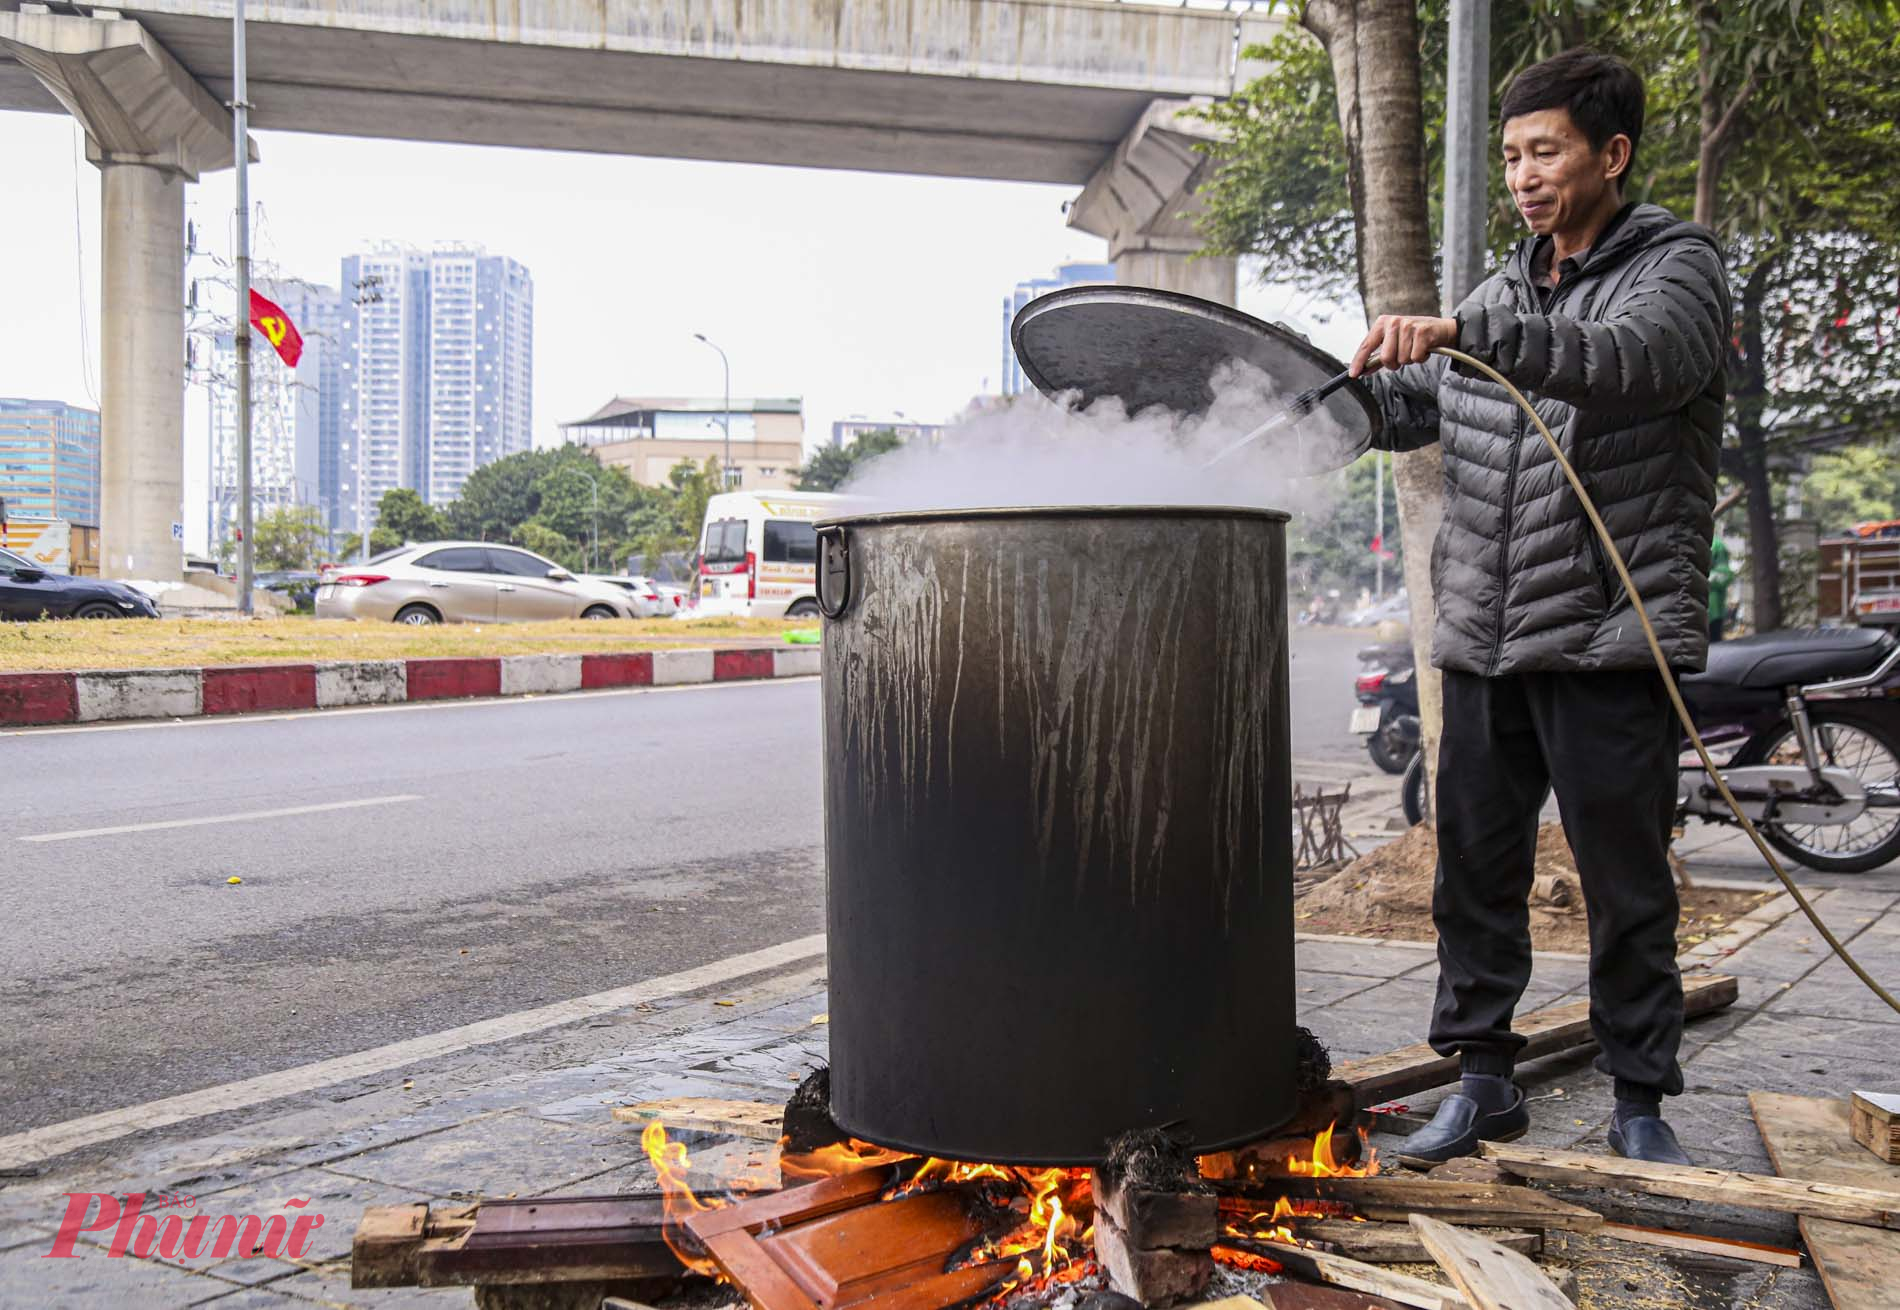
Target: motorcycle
(1387,714)
(1810,718)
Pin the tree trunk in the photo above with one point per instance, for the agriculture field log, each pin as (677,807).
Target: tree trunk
(1749,372)
(1373,46)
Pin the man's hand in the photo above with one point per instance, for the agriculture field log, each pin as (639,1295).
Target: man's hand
(1399,339)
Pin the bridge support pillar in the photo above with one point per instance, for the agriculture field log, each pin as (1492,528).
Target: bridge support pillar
(1143,201)
(150,128)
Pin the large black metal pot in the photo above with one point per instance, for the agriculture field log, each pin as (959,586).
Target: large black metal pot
(1058,828)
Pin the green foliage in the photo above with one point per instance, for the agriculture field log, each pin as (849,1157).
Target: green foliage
(1333,547)
(831,466)
(287,537)
(1858,485)
(409,517)
(380,540)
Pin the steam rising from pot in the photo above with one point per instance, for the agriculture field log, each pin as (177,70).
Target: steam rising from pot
(1039,452)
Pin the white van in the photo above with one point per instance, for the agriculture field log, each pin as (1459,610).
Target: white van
(758,552)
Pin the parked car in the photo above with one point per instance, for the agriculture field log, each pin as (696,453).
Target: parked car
(648,603)
(465,582)
(28,591)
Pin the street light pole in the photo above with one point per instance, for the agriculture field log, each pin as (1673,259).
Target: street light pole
(241,328)
(725,416)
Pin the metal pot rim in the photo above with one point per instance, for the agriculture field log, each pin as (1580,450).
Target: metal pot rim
(1060,512)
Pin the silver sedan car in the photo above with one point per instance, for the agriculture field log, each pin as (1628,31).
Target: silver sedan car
(465,582)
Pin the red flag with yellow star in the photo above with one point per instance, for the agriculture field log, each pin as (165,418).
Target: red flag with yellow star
(275,324)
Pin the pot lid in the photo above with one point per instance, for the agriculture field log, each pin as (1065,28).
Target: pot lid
(1151,347)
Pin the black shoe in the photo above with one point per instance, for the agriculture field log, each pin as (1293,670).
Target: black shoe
(1647,1137)
(1459,1126)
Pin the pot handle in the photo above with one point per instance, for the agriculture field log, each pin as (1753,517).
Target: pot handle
(834,571)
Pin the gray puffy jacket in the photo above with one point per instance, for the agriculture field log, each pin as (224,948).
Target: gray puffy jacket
(1626,366)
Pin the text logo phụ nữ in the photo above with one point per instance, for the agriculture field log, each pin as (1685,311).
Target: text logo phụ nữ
(178,1237)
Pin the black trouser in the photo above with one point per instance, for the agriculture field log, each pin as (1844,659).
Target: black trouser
(1608,743)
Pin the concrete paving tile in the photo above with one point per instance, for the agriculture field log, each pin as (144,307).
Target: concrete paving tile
(1366,960)
(329,1285)
(92,1278)
(1793,1053)
(254,1298)
(356,1139)
(339,1199)
(1831,992)
(1784,953)
(507,1154)
(1314,990)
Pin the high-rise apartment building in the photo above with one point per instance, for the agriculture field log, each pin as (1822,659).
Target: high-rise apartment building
(437,370)
(49,460)
(1066,275)
(296,414)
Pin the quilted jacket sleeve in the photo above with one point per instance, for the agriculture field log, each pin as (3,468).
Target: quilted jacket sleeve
(1408,401)
(1653,350)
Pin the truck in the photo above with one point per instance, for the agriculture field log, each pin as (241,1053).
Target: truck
(1859,576)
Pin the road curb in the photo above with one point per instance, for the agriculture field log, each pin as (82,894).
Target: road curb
(103,695)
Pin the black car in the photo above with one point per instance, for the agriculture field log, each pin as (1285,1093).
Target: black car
(30,592)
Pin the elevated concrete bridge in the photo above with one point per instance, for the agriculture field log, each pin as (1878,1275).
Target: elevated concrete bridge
(1077,91)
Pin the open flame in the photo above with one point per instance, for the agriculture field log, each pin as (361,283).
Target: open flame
(1271,1225)
(672,1164)
(1052,1244)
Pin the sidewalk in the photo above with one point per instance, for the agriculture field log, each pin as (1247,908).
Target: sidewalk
(531,1117)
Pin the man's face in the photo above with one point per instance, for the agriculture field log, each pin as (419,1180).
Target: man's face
(1555,175)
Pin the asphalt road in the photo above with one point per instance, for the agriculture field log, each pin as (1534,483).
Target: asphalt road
(468,860)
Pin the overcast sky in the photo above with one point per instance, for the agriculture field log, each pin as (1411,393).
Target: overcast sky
(862,293)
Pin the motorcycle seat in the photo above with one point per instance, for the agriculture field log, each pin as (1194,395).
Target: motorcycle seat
(1771,660)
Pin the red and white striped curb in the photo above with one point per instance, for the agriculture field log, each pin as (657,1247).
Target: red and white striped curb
(100,695)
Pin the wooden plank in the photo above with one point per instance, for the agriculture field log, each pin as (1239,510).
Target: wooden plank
(756,1120)
(1874,1120)
(1395,1243)
(1308,1296)
(1490,1276)
(792,1205)
(755,1273)
(1340,1271)
(1806,1135)
(1413,1069)
(1479,1205)
(382,1254)
(854,1254)
(1796,1196)
(1733,1248)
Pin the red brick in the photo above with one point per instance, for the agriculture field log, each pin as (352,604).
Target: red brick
(260,687)
(449,679)
(38,698)
(617,670)
(739,665)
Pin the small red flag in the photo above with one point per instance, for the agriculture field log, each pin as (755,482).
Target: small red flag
(1378,547)
(277,328)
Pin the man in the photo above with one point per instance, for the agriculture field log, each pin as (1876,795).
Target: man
(1611,319)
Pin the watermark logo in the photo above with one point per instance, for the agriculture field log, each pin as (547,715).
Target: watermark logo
(140,1228)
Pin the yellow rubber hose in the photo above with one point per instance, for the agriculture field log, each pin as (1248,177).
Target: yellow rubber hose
(1669,680)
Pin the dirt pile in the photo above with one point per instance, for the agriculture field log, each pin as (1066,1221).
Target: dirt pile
(1388,893)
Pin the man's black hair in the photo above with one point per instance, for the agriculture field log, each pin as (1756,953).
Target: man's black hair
(1603,94)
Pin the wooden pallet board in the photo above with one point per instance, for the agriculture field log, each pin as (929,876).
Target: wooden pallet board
(1382,1243)
(1491,1276)
(1803,1195)
(755,1120)
(1396,1198)
(1413,1069)
(1810,1137)
(1358,1276)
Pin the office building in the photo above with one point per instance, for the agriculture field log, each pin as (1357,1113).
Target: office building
(847,430)
(1066,275)
(49,461)
(648,435)
(437,370)
(296,414)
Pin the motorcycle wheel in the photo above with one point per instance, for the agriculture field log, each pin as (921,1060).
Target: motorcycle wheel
(1395,743)
(1412,791)
(1868,749)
